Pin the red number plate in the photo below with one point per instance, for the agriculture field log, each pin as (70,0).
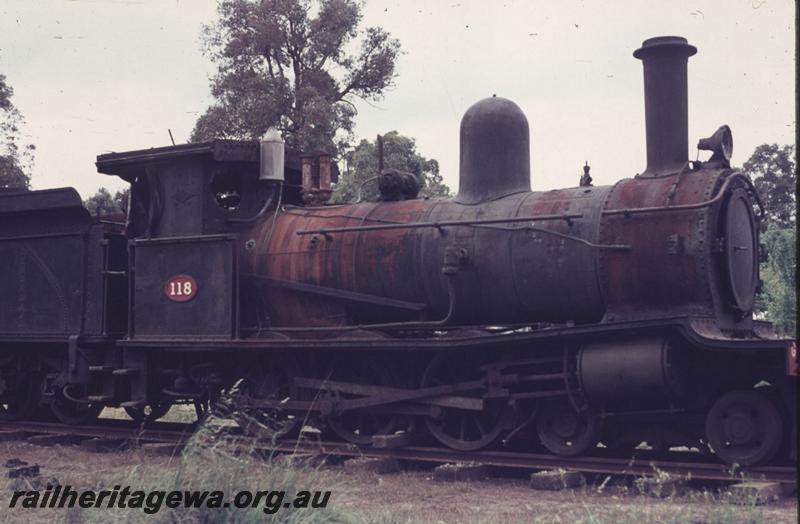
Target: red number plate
(791,359)
(180,288)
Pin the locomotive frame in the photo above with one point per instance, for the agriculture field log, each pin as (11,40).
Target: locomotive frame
(616,314)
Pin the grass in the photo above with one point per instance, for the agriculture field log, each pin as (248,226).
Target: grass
(211,462)
(659,498)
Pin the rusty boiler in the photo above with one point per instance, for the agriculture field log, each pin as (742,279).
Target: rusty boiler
(646,247)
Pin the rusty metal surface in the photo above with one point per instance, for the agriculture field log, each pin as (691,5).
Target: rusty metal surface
(617,259)
(666,271)
(522,271)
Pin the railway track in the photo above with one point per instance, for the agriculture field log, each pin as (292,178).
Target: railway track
(531,461)
(166,432)
(683,464)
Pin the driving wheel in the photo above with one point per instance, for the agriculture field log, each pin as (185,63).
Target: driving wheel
(465,428)
(359,426)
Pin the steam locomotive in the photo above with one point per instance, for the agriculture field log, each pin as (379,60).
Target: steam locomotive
(563,318)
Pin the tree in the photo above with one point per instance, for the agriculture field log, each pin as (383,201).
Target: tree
(780,280)
(15,160)
(102,203)
(399,152)
(772,169)
(286,63)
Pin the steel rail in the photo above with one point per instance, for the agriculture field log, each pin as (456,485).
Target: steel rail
(596,465)
(646,465)
(107,429)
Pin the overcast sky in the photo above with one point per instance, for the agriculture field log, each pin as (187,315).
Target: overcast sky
(98,76)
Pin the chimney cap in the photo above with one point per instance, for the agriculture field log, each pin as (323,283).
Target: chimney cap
(658,44)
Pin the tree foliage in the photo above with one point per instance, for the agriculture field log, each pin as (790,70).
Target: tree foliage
(772,169)
(15,160)
(400,152)
(779,292)
(287,63)
(102,203)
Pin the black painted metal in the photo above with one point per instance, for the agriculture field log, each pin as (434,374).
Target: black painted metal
(741,249)
(666,102)
(630,374)
(51,253)
(495,151)
(211,313)
(336,292)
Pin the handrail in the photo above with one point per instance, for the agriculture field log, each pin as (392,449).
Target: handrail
(438,225)
(689,207)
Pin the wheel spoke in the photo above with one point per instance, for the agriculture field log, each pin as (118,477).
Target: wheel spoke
(478,424)
(360,426)
(457,428)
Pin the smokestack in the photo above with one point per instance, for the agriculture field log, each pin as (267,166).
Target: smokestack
(665,102)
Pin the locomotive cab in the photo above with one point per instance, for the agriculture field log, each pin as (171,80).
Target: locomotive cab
(187,204)
(182,248)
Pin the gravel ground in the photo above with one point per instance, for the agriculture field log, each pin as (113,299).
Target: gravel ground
(411,496)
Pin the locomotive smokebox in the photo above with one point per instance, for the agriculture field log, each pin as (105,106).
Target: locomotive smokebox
(666,110)
(495,151)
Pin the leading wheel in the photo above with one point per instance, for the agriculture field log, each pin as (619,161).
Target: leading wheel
(565,432)
(744,427)
(465,429)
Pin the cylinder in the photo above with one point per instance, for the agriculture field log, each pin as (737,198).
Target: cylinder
(272,156)
(631,374)
(495,151)
(665,59)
